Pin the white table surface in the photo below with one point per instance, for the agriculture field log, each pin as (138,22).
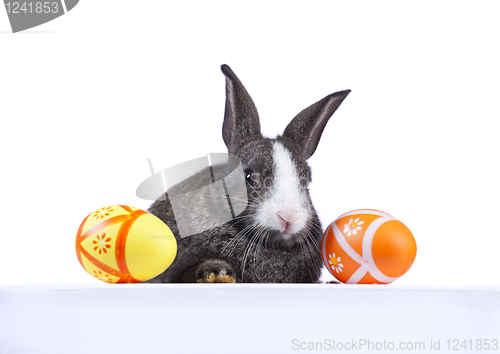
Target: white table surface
(246,318)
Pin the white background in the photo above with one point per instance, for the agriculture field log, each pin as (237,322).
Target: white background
(87,98)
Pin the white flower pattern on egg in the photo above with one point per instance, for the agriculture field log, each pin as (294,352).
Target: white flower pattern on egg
(335,263)
(353,226)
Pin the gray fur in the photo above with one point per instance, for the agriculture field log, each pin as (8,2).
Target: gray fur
(249,253)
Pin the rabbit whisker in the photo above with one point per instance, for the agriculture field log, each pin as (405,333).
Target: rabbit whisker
(248,249)
(237,238)
(256,257)
(240,236)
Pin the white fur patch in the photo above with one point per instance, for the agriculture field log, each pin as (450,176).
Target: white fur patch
(285,210)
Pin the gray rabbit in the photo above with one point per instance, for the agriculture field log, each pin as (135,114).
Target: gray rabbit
(276,239)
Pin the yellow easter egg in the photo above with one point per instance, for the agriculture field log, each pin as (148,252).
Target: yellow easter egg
(124,244)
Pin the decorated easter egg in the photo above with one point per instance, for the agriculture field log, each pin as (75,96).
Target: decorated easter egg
(123,244)
(368,247)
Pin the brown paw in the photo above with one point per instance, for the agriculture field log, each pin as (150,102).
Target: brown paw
(215,271)
(219,278)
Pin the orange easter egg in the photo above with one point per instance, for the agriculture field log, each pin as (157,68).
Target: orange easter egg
(123,244)
(368,247)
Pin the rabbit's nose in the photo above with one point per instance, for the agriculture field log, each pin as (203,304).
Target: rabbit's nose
(288,216)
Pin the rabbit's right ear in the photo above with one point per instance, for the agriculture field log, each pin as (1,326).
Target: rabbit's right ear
(241,120)
(306,128)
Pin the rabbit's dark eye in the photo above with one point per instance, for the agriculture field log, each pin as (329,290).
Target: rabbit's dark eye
(253,179)
(249,179)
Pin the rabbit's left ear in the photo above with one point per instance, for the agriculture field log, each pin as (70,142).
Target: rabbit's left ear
(306,128)
(241,120)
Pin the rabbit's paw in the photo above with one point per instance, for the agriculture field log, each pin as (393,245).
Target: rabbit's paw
(215,271)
